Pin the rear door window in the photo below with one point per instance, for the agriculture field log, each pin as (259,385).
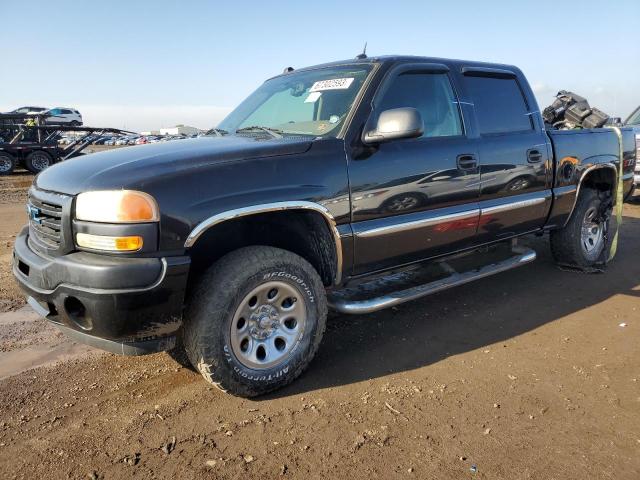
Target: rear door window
(499,104)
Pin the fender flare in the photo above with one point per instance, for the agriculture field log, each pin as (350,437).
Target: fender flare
(221,217)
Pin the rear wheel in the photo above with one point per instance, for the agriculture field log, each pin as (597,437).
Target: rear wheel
(582,241)
(38,161)
(7,163)
(255,320)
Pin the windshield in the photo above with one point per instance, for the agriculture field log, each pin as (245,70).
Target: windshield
(314,102)
(634,119)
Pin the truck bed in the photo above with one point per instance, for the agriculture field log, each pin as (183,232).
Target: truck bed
(577,151)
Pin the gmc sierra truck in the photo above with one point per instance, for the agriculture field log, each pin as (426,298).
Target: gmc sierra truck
(354,185)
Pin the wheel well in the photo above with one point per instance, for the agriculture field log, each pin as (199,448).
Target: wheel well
(603,179)
(302,232)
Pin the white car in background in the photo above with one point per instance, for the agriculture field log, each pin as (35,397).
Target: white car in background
(63,116)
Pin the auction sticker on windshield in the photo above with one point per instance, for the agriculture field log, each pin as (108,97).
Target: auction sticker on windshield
(333,84)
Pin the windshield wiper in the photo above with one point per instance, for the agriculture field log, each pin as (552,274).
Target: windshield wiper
(217,132)
(274,132)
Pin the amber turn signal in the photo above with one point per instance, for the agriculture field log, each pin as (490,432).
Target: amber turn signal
(110,244)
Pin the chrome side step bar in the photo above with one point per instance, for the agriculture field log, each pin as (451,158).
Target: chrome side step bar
(343,302)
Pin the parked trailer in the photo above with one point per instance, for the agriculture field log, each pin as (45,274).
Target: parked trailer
(36,146)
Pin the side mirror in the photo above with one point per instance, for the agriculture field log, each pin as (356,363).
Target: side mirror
(395,124)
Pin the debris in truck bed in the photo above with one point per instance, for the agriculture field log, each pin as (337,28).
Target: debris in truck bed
(570,111)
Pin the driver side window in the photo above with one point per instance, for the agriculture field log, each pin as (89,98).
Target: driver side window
(429,93)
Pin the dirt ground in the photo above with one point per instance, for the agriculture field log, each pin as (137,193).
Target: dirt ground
(13,199)
(530,374)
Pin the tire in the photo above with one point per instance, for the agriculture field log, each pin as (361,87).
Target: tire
(38,161)
(75,123)
(278,338)
(7,163)
(571,246)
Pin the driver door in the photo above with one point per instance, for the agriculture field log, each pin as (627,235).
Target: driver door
(415,198)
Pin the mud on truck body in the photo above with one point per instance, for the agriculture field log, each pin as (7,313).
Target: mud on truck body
(353,185)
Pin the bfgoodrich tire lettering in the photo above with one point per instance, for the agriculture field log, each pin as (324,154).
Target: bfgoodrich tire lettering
(221,292)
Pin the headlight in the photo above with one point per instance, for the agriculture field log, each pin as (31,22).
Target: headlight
(116,206)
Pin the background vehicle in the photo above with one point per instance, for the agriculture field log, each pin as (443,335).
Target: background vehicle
(633,121)
(59,116)
(634,118)
(238,243)
(29,110)
(38,147)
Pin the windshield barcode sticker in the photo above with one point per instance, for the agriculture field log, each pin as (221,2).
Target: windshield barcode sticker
(333,84)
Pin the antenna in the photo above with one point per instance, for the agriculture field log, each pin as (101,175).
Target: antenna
(364,52)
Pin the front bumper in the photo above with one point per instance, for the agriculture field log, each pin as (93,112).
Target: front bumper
(130,306)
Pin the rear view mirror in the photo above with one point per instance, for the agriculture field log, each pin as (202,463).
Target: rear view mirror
(395,124)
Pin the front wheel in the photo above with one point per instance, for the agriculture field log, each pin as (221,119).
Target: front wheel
(255,320)
(582,241)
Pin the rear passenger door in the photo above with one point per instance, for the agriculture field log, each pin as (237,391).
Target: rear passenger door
(515,170)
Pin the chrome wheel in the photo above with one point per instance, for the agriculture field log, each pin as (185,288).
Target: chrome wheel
(268,325)
(592,236)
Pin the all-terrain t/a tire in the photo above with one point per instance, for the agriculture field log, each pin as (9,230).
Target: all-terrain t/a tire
(7,163)
(37,161)
(582,241)
(255,320)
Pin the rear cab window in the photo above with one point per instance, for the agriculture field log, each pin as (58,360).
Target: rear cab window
(499,104)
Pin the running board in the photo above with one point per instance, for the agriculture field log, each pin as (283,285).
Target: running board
(382,294)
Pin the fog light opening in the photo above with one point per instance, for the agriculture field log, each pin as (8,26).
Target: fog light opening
(77,313)
(23,267)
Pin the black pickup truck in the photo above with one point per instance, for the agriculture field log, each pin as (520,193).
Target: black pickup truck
(354,185)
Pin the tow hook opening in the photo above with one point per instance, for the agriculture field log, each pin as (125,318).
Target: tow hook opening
(77,313)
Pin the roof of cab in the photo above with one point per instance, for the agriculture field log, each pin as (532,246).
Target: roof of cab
(408,58)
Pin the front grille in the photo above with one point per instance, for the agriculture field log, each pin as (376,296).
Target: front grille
(46,219)
(46,222)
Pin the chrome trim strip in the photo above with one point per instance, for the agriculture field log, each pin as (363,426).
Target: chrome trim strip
(424,222)
(584,174)
(512,205)
(272,207)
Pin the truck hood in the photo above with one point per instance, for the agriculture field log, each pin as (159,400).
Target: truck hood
(132,167)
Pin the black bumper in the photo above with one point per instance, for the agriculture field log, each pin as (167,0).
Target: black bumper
(130,306)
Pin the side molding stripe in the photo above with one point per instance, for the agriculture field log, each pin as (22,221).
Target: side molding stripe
(425,222)
(513,205)
(272,207)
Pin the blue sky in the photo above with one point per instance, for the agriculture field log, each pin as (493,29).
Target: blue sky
(147,64)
